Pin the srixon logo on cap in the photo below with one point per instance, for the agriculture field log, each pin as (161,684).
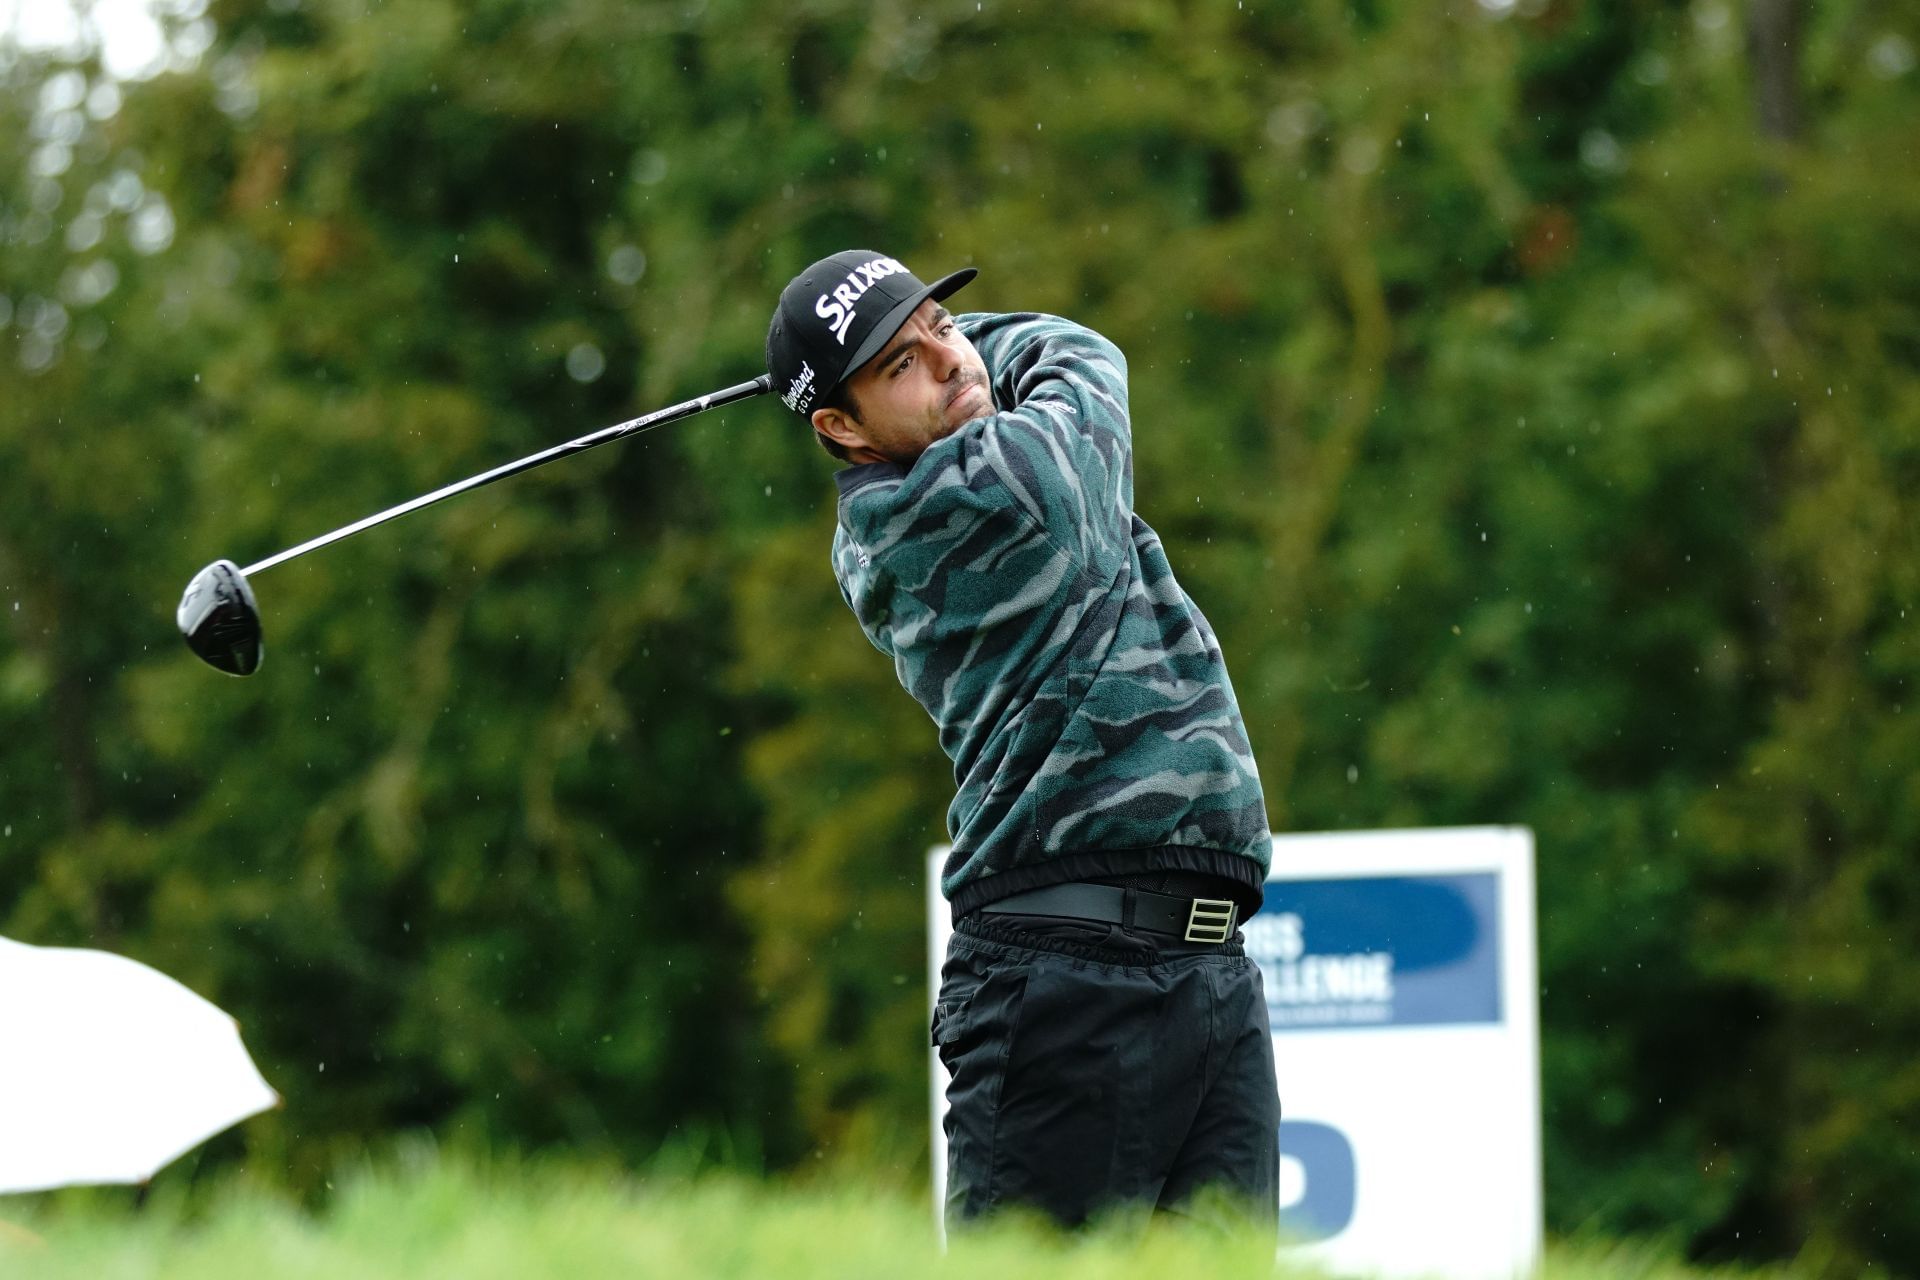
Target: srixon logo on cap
(836,305)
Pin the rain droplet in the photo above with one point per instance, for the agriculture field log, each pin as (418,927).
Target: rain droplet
(585,363)
(1891,57)
(626,264)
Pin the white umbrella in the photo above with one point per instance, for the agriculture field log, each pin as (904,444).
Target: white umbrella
(109,1070)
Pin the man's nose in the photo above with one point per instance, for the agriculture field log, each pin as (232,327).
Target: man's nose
(945,357)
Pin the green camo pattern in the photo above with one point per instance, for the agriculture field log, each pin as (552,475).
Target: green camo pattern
(1079,692)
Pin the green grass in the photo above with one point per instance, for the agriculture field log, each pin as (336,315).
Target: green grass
(421,1215)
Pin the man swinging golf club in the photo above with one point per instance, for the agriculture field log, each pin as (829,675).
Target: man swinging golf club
(1106,1034)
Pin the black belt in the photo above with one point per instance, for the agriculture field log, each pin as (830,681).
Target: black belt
(1194,919)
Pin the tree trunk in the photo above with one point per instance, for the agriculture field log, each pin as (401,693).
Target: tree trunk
(1773,48)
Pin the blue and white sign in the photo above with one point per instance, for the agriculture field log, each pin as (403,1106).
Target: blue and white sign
(1401,986)
(1400,976)
(1380,951)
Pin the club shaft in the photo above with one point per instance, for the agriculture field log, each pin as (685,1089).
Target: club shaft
(606,435)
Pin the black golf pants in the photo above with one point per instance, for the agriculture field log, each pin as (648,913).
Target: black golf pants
(1096,1067)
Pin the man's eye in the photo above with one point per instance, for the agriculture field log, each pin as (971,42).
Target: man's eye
(902,366)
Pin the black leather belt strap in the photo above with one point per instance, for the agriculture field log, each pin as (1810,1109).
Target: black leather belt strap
(1194,919)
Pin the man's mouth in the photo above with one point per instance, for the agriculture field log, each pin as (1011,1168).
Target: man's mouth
(961,394)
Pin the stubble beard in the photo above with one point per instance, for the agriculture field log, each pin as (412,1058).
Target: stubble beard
(939,425)
(971,378)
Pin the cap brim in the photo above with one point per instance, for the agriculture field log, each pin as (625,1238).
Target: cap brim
(881,334)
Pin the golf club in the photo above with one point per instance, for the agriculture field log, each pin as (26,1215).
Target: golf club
(220,618)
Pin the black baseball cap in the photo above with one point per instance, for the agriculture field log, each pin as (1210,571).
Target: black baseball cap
(836,315)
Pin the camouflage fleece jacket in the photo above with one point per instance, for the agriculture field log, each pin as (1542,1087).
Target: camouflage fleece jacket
(1079,693)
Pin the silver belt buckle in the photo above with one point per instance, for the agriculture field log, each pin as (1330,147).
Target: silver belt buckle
(1210,920)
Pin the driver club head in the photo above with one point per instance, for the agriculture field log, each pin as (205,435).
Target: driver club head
(220,620)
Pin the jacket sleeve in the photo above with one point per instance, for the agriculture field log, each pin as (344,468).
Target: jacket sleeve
(1062,443)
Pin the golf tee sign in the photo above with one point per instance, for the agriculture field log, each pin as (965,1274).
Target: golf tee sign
(1401,986)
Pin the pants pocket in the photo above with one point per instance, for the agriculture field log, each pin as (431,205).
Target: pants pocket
(1065,1136)
(961,978)
(973,1028)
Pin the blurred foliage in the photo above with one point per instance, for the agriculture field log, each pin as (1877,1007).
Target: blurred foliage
(435,1212)
(1526,391)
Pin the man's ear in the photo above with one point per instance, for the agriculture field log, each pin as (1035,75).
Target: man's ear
(836,426)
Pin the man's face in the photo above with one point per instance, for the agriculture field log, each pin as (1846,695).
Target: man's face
(926,383)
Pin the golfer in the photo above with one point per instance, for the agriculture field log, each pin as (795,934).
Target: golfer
(1106,1033)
